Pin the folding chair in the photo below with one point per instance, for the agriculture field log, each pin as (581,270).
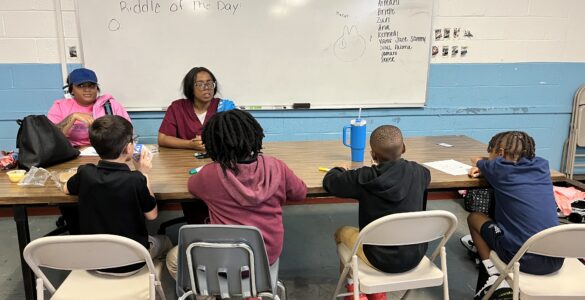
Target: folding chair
(560,241)
(81,253)
(398,230)
(576,135)
(226,261)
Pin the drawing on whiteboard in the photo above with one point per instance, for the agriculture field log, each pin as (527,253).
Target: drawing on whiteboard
(350,46)
(114,25)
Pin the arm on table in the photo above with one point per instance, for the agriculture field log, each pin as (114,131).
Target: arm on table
(296,189)
(341,182)
(474,171)
(175,142)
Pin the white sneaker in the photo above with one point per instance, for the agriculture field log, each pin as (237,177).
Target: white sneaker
(467,242)
(488,284)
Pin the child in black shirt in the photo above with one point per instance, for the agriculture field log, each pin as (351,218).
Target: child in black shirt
(112,198)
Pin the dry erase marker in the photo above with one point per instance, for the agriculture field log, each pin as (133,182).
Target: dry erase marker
(195,170)
(201,155)
(323,169)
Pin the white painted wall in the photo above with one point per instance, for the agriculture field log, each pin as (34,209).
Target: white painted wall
(503,30)
(28,31)
(513,30)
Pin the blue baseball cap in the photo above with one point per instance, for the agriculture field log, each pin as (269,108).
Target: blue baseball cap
(82,75)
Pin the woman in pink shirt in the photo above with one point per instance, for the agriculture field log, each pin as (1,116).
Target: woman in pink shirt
(74,115)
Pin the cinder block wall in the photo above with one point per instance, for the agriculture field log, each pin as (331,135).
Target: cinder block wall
(524,63)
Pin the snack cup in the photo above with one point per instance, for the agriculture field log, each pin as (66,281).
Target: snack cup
(15,175)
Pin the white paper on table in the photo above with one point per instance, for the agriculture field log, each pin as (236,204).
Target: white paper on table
(449,166)
(89,151)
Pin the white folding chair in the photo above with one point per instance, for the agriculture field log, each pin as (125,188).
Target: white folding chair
(566,241)
(576,135)
(81,253)
(397,230)
(226,261)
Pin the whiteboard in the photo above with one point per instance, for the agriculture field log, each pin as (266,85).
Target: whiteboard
(264,53)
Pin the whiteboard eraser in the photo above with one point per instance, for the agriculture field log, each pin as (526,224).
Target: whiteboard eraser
(301,105)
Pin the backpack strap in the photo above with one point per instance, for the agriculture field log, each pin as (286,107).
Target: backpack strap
(108,108)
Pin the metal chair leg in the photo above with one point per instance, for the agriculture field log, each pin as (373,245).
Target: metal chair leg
(280,286)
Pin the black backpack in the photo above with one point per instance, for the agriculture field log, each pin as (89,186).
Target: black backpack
(41,143)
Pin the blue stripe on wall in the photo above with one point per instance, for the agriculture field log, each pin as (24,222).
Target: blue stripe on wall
(477,100)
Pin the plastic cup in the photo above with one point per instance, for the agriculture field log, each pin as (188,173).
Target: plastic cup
(137,152)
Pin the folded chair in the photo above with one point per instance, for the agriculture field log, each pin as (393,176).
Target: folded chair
(566,241)
(226,261)
(81,253)
(397,230)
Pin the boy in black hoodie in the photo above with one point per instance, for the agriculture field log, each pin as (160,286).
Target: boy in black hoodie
(391,185)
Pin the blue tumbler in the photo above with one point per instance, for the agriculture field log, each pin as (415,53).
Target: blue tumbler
(357,138)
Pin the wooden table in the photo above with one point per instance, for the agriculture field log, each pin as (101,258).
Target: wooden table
(171,167)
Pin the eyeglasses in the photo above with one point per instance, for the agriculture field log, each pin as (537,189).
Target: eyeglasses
(205,85)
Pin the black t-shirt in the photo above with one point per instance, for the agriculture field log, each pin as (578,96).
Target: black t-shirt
(112,200)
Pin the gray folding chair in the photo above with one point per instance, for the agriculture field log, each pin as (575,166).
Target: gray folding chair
(225,261)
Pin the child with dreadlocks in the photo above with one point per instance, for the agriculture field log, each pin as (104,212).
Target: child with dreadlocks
(525,205)
(242,186)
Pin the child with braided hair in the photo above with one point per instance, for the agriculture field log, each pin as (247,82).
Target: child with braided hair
(525,205)
(242,186)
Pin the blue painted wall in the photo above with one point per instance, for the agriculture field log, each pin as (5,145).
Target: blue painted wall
(477,100)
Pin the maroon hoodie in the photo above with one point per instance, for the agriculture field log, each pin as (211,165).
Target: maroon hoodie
(253,197)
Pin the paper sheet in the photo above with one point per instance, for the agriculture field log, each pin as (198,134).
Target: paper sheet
(89,151)
(449,166)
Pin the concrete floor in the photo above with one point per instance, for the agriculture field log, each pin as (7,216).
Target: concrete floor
(309,265)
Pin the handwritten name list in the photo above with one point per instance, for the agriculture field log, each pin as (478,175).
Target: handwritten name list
(390,40)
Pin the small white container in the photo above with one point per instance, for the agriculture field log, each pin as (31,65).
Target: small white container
(15,176)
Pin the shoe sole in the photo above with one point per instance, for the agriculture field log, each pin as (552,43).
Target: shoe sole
(502,294)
